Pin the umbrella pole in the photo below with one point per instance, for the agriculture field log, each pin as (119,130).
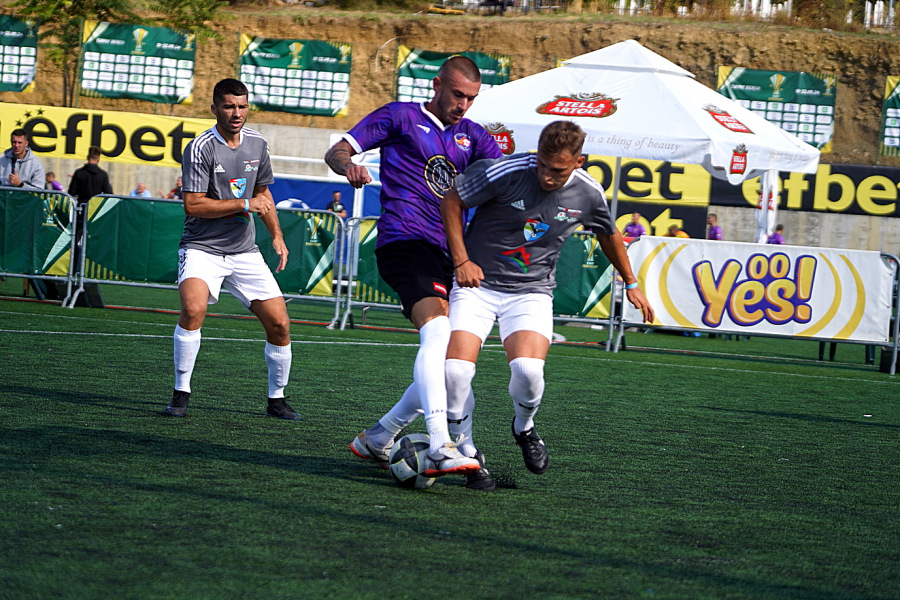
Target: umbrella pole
(614,284)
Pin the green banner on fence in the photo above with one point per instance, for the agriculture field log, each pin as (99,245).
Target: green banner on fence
(18,51)
(130,239)
(299,76)
(35,237)
(416,68)
(800,103)
(134,61)
(890,117)
(584,278)
(370,287)
(310,241)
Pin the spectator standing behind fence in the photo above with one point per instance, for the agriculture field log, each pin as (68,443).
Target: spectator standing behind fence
(776,236)
(336,206)
(714,232)
(89,180)
(227,173)
(140,191)
(634,229)
(423,146)
(175,193)
(19,167)
(52,183)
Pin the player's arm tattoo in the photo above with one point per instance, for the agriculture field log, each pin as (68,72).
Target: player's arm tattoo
(338,157)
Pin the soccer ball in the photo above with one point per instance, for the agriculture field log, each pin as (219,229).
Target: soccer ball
(409,459)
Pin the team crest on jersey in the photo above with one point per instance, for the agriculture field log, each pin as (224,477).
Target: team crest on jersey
(567,214)
(520,257)
(238,186)
(251,165)
(534,229)
(462,141)
(439,174)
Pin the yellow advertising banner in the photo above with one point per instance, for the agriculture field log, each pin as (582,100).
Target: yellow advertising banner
(134,138)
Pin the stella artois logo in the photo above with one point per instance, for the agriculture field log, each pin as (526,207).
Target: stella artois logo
(739,160)
(504,137)
(726,120)
(582,104)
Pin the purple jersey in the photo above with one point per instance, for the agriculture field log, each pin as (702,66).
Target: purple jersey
(714,233)
(775,238)
(634,230)
(419,159)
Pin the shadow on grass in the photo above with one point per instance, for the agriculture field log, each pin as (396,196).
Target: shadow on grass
(801,417)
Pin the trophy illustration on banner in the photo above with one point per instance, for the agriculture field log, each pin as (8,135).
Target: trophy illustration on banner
(189,41)
(139,35)
(830,83)
(345,52)
(503,62)
(296,48)
(777,80)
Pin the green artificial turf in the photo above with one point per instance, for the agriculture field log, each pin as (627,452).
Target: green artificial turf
(680,468)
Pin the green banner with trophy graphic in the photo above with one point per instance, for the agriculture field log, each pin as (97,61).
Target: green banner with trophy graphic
(35,236)
(890,117)
(310,241)
(800,103)
(584,278)
(18,54)
(134,61)
(416,68)
(299,76)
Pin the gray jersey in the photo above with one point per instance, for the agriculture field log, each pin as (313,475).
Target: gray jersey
(519,229)
(210,167)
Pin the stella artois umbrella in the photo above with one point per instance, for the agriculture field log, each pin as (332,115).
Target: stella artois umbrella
(634,103)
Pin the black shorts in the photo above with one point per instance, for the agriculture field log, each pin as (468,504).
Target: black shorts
(415,269)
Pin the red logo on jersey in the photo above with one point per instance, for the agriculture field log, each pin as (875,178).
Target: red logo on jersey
(462,140)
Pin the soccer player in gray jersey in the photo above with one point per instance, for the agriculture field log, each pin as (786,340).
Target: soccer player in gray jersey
(226,176)
(528,204)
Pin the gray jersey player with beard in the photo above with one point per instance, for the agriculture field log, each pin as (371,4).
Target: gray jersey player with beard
(211,167)
(519,228)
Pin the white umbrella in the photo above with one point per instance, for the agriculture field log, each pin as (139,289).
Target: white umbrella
(634,103)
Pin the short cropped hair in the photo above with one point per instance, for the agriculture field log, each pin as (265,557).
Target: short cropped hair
(559,136)
(94,153)
(18,132)
(227,87)
(463,65)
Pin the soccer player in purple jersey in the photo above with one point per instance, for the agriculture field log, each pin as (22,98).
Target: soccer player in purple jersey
(423,147)
(714,232)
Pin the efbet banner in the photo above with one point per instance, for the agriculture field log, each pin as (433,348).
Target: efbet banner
(299,76)
(134,138)
(890,117)
(18,54)
(133,61)
(584,278)
(800,103)
(758,289)
(416,68)
(35,235)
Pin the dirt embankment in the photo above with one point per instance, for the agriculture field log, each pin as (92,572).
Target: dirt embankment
(861,62)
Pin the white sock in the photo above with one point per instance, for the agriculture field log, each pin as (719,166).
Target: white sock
(187,346)
(460,402)
(407,410)
(428,375)
(526,387)
(278,359)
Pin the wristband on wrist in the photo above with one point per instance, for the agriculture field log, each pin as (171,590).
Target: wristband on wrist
(631,286)
(246,205)
(460,264)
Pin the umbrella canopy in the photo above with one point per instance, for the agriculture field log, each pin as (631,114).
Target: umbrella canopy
(634,103)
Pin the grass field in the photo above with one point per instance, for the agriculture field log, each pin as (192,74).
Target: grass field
(681,468)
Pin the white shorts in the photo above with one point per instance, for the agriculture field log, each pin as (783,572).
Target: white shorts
(475,309)
(246,275)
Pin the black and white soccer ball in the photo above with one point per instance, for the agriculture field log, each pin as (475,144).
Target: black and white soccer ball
(409,459)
